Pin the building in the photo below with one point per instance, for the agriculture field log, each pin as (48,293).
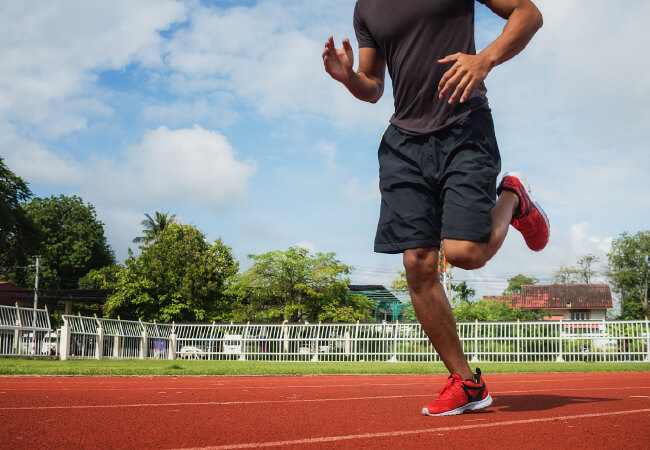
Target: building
(566,301)
(387,306)
(11,294)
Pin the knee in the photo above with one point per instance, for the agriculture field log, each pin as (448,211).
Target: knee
(421,266)
(466,255)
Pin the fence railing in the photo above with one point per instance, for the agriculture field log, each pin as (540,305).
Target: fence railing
(25,331)
(86,337)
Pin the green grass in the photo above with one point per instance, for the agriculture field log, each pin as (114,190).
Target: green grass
(14,366)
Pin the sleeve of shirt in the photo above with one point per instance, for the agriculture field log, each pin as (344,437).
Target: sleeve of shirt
(364,38)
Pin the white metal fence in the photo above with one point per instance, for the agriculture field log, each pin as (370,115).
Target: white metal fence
(85,337)
(25,331)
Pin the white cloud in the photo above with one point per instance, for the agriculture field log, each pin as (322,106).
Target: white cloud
(188,166)
(52,51)
(275,67)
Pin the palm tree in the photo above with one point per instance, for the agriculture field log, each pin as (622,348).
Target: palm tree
(154,226)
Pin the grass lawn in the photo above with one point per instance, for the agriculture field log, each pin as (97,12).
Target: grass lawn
(16,366)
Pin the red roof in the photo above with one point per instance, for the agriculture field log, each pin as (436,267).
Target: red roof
(10,298)
(563,296)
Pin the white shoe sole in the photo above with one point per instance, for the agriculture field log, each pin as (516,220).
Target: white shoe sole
(473,406)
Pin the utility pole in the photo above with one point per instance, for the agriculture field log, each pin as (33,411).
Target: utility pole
(448,273)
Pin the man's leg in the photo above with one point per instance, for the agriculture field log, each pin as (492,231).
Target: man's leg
(433,309)
(473,255)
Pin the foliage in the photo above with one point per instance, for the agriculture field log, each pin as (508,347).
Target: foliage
(72,241)
(104,278)
(565,275)
(357,307)
(294,285)
(464,293)
(399,283)
(153,226)
(629,272)
(408,313)
(515,283)
(491,309)
(584,269)
(18,234)
(179,276)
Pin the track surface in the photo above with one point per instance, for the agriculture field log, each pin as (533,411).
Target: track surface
(582,410)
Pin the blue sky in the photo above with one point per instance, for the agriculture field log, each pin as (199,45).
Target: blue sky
(220,112)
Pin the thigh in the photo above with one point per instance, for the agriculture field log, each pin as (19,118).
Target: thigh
(472,164)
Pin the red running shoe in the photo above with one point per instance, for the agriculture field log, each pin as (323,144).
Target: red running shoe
(529,219)
(458,396)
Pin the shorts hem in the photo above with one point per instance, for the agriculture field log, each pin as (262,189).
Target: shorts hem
(468,235)
(399,247)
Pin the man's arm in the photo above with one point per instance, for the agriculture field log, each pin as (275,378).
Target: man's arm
(523,21)
(367,83)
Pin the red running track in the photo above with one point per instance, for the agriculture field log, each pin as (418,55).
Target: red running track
(582,410)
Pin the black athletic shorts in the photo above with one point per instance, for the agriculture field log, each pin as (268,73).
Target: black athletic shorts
(436,186)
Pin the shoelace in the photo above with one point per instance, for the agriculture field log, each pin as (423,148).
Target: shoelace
(452,385)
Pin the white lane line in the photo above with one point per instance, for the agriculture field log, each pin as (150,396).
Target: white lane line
(243,402)
(298,386)
(319,440)
(308,400)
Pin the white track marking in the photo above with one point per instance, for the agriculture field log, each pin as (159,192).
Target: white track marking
(308,400)
(320,440)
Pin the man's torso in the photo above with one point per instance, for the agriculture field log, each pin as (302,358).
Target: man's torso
(413,35)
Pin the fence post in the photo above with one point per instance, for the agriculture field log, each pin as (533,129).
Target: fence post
(346,345)
(394,357)
(518,338)
(64,348)
(559,356)
(99,339)
(356,342)
(475,357)
(285,337)
(172,343)
(143,342)
(315,357)
(242,357)
(647,336)
(99,344)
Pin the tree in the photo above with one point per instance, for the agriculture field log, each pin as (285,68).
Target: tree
(629,272)
(565,275)
(72,241)
(154,226)
(492,309)
(293,285)
(18,234)
(399,283)
(179,276)
(464,292)
(584,269)
(515,283)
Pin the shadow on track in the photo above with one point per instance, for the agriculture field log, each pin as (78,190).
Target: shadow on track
(537,402)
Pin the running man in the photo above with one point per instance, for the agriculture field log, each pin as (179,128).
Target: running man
(438,158)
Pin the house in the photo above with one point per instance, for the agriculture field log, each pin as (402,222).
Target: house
(11,294)
(566,301)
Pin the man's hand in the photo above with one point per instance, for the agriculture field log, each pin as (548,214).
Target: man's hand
(466,72)
(338,62)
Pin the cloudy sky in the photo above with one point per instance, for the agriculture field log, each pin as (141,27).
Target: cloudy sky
(220,112)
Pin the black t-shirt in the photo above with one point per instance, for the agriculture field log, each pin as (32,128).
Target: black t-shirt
(413,35)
